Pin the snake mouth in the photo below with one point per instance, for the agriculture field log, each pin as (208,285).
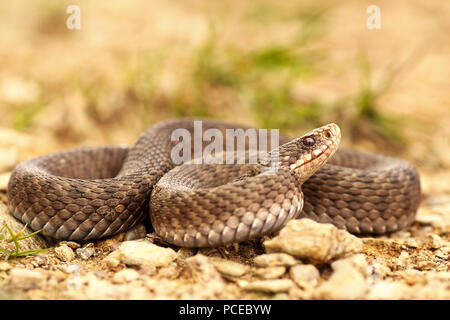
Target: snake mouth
(324,152)
(330,136)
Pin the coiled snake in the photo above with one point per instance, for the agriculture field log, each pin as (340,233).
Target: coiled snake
(95,192)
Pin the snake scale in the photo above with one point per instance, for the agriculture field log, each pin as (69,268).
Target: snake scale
(95,192)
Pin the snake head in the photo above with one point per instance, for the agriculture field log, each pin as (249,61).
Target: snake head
(308,153)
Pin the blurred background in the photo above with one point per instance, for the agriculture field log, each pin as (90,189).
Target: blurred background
(292,65)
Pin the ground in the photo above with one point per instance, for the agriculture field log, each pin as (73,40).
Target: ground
(293,66)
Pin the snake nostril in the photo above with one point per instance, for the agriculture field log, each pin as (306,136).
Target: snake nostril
(327,134)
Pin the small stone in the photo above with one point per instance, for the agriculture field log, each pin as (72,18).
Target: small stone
(357,261)
(71,244)
(208,280)
(305,275)
(270,272)
(275,260)
(171,271)
(85,252)
(142,253)
(4,266)
(229,268)
(344,284)
(433,241)
(272,286)
(64,253)
(113,259)
(315,242)
(125,275)
(40,260)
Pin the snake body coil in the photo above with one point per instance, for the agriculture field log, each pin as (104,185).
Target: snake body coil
(90,193)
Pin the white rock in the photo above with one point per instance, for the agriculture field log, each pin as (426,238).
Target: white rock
(64,253)
(85,252)
(315,242)
(344,284)
(125,275)
(270,272)
(141,253)
(230,268)
(357,261)
(275,260)
(304,275)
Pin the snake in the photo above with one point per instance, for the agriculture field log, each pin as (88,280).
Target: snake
(96,192)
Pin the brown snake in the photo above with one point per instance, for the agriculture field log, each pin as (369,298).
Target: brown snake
(95,192)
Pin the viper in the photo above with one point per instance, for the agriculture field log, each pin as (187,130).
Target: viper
(95,192)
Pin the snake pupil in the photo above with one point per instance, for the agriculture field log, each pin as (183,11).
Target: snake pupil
(309,142)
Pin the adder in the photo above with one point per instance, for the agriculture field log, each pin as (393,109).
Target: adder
(95,192)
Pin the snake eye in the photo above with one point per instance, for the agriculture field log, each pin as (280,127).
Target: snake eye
(308,141)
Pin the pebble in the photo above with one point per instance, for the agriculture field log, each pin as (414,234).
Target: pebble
(40,260)
(275,260)
(270,272)
(208,281)
(64,253)
(433,241)
(314,242)
(343,284)
(71,244)
(271,286)
(85,252)
(305,275)
(125,275)
(4,266)
(171,271)
(356,261)
(202,268)
(229,268)
(141,253)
